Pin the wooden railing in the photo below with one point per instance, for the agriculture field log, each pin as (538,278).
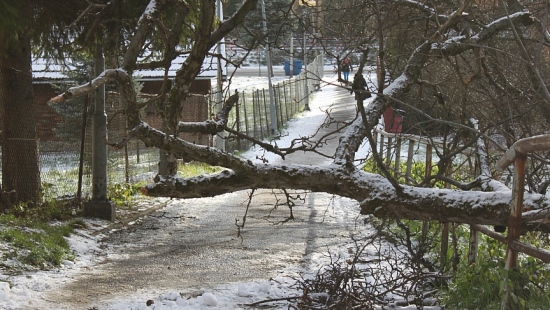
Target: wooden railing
(390,146)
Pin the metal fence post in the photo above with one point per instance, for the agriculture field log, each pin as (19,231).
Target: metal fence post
(99,206)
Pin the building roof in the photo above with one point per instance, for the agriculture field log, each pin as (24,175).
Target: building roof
(44,71)
(209,69)
(47,71)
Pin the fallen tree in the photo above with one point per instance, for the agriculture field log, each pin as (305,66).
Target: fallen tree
(378,195)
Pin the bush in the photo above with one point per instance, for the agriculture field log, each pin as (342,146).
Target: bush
(480,286)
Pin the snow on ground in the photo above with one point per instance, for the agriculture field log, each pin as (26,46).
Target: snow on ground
(305,124)
(24,291)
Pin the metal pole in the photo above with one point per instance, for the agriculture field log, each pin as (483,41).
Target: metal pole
(99,206)
(99,136)
(291,65)
(306,107)
(272,110)
(220,137)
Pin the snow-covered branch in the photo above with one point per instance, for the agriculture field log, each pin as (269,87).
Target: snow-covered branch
(428,10)
(140,36)
(458,44)
(104,78)
(233,21)
(375,193)
(355,134)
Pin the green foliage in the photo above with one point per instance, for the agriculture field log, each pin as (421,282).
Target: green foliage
(123,194)
(35,242)
(10,17)
(477,286)
(50,208)
(480,286)
(194,168)
(13,20)
(418,172)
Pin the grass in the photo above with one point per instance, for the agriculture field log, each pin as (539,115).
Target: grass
(60,175)
(35,242)
(36,235)
(194,168)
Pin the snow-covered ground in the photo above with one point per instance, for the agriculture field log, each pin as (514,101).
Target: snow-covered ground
(26,291)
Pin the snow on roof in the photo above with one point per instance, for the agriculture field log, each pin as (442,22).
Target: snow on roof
(44,71)
(209,69)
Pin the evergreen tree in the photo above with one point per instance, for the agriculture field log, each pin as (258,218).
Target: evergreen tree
(70,130)
(250,35)
(22,23)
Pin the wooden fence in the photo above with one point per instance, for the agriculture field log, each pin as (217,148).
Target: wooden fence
(390,146)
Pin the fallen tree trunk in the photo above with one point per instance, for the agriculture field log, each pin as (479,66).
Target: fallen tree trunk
(375,194)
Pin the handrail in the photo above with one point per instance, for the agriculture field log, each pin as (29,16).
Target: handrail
(517,154)
(523,146)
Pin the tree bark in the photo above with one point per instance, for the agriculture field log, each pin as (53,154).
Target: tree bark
(20,171)
(374,193)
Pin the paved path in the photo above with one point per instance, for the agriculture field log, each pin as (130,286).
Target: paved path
(192,244)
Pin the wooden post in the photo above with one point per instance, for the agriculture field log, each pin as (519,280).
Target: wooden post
(427,173)
(517,154)
(428,160)
(456,254)
(474,233)
(375,135)
(238,123)
(246,124)
(381,146)
(473,245)
(514,226)
(408,176)
(444,250)
(514,220)
(397,156)
(388,153)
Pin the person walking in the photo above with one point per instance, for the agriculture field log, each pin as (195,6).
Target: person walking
(346,68)
(360,87)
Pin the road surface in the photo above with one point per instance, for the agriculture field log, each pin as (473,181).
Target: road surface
(194,243)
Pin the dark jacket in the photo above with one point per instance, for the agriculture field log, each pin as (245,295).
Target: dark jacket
(346,66)
(360,87)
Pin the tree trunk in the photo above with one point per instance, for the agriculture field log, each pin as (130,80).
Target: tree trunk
(20,172)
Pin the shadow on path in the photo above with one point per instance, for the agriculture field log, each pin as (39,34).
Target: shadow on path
(192,243)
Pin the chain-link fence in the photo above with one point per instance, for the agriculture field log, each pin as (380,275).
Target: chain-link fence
(66,157)
(65,141)
(252,115)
